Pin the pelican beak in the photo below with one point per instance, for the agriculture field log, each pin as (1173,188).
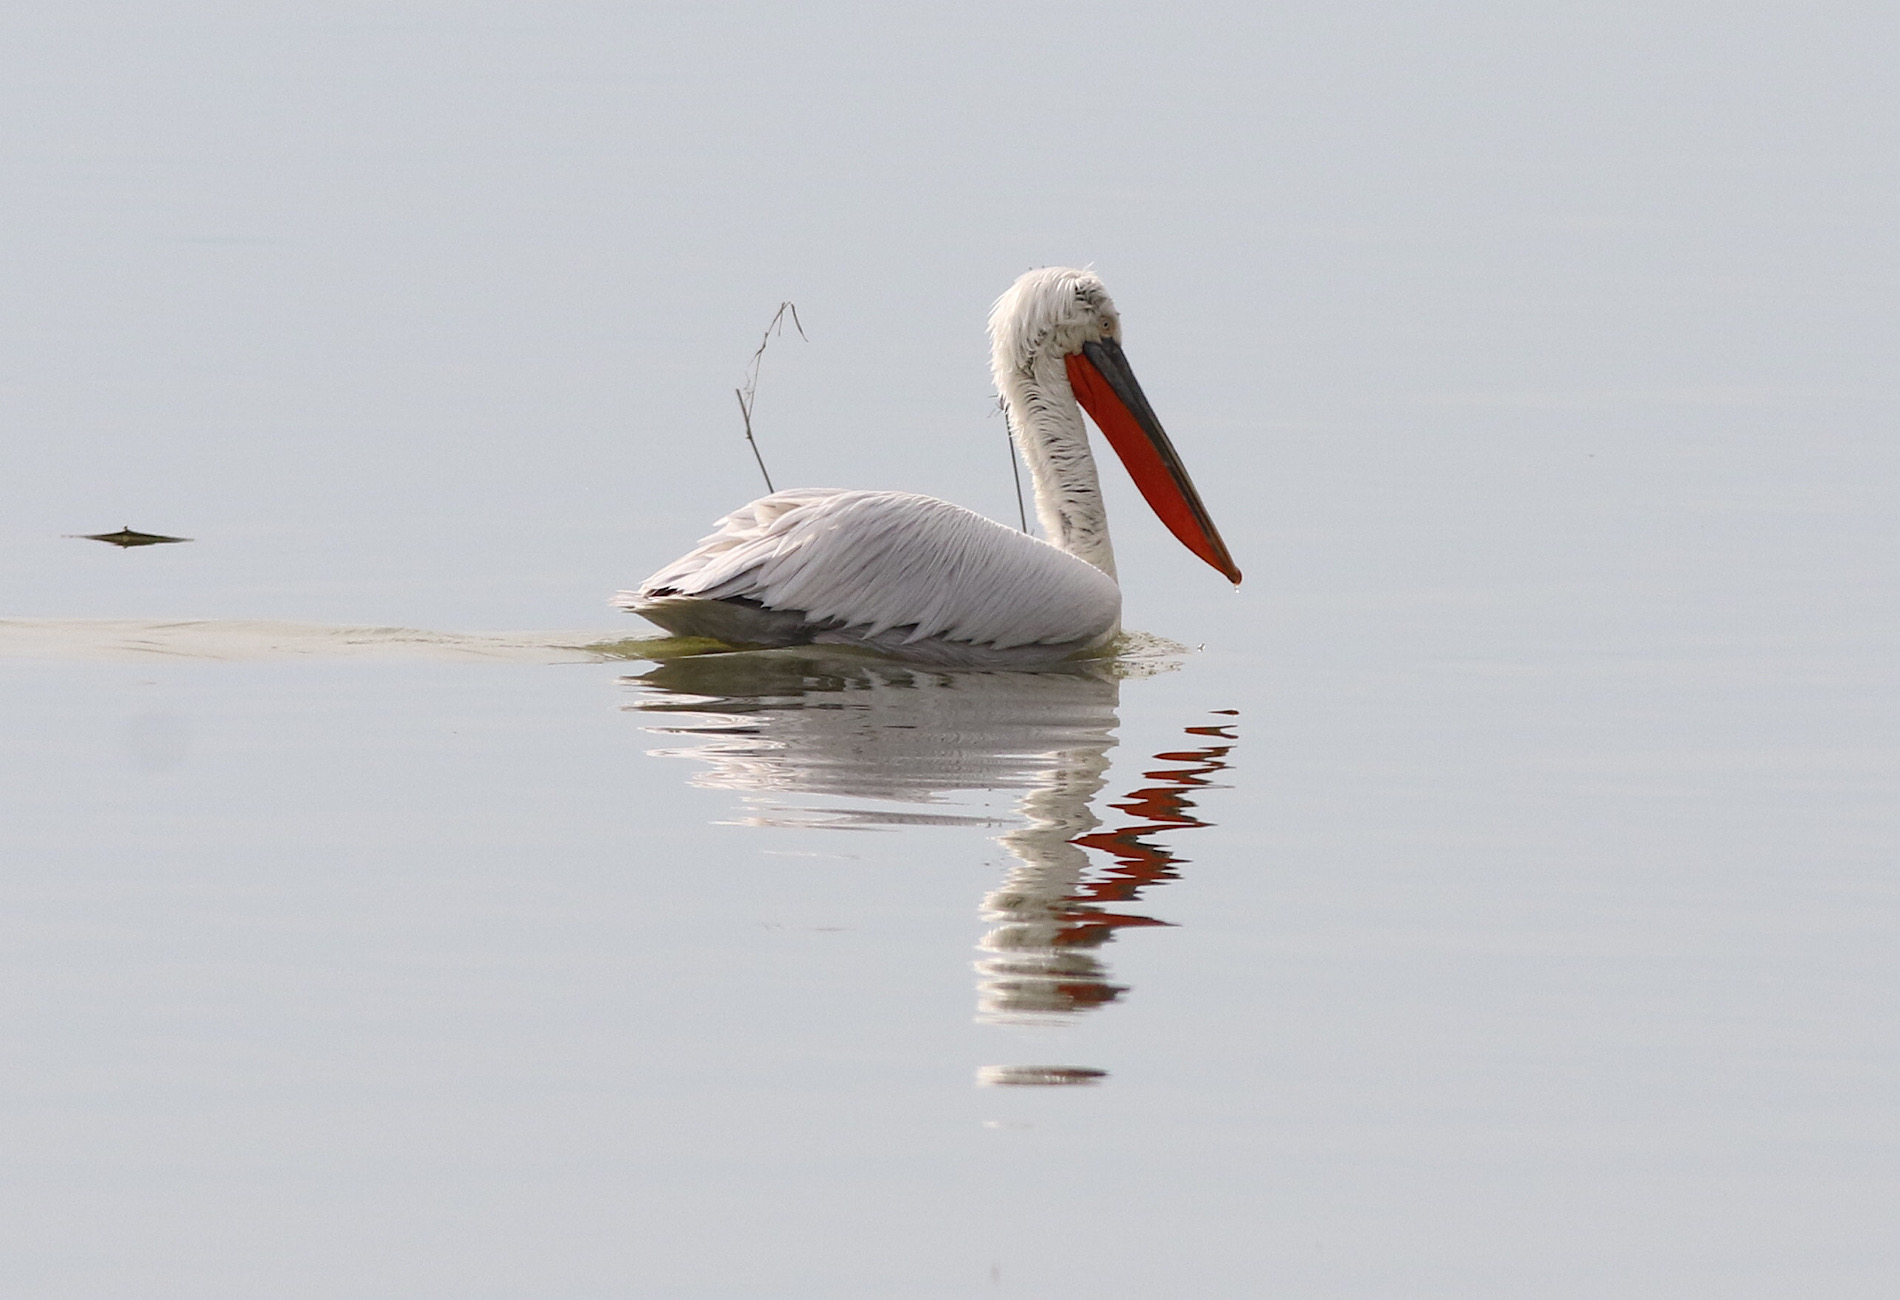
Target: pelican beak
(1106,387)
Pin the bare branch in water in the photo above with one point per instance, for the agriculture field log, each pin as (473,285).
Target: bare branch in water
(750,393)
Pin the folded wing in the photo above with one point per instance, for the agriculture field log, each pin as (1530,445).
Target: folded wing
(891,568)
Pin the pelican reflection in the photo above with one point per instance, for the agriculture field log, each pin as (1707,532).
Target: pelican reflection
(811,738)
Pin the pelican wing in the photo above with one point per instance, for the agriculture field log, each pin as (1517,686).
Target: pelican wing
(879,562)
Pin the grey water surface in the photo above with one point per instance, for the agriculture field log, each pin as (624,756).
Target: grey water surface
(1495,896)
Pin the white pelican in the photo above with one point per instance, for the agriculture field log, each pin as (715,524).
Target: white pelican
(921,579)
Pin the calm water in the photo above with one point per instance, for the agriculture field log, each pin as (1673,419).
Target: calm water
(1498,898)
(1409,974)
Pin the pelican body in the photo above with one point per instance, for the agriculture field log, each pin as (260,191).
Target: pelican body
(921,579)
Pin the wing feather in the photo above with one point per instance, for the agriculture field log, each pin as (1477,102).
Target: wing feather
(882,561)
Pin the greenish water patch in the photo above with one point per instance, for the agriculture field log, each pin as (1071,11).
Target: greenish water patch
(659,649)
(1130,654)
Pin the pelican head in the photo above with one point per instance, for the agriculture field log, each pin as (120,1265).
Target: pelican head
(1052,312)
(1055,341)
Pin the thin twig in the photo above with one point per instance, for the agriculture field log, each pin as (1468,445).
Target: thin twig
(750,393)
(745,414)
(1015,466)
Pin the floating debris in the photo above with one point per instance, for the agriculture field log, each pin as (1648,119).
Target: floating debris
(1037,1076)
(128,536)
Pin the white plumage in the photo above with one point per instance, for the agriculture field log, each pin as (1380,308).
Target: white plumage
(926,580)
(906,574)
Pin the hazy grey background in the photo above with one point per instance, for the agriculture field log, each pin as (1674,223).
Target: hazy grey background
(471,284)
(1535,361)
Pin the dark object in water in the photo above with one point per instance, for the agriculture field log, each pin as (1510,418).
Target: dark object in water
(1038,1076)
(127,537)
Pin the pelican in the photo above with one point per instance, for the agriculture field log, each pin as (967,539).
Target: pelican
(921,579)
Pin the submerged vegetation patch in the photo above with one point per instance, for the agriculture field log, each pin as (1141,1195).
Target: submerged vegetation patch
(1130,654)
